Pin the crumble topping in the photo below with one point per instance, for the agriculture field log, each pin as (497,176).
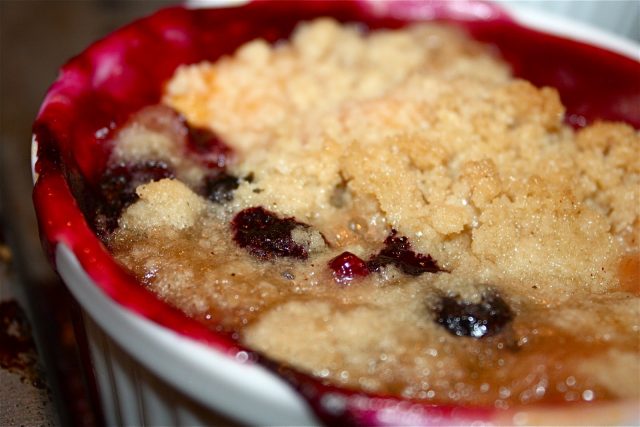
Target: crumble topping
(166,203)
(391,212)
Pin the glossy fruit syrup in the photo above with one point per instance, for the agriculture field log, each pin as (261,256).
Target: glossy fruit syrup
(98,90)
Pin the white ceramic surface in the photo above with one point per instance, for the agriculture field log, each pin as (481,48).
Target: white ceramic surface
(560,26)
(621,17)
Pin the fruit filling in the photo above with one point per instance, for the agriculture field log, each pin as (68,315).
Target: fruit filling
(389,211)
(397,251)
(266,236)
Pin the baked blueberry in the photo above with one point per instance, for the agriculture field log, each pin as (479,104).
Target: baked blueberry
(265,235)
(346,267)
(208,146)
(475,320)
(397,251)
(219,187)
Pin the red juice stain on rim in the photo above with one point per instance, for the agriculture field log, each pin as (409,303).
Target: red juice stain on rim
(99,89)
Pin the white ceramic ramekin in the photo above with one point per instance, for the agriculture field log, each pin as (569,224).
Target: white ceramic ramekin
(615,16)
(148,374)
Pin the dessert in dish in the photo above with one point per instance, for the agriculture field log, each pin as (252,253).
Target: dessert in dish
(390,212)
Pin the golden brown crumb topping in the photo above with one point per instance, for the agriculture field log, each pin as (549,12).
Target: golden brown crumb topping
(433,229)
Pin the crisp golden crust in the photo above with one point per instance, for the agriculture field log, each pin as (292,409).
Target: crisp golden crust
(424,132)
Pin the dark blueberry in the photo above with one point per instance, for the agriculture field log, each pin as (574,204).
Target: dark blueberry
(117,189)
(265,235)
(397,251)
(476,320)
(208,146)
(346,267)
(219,187)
